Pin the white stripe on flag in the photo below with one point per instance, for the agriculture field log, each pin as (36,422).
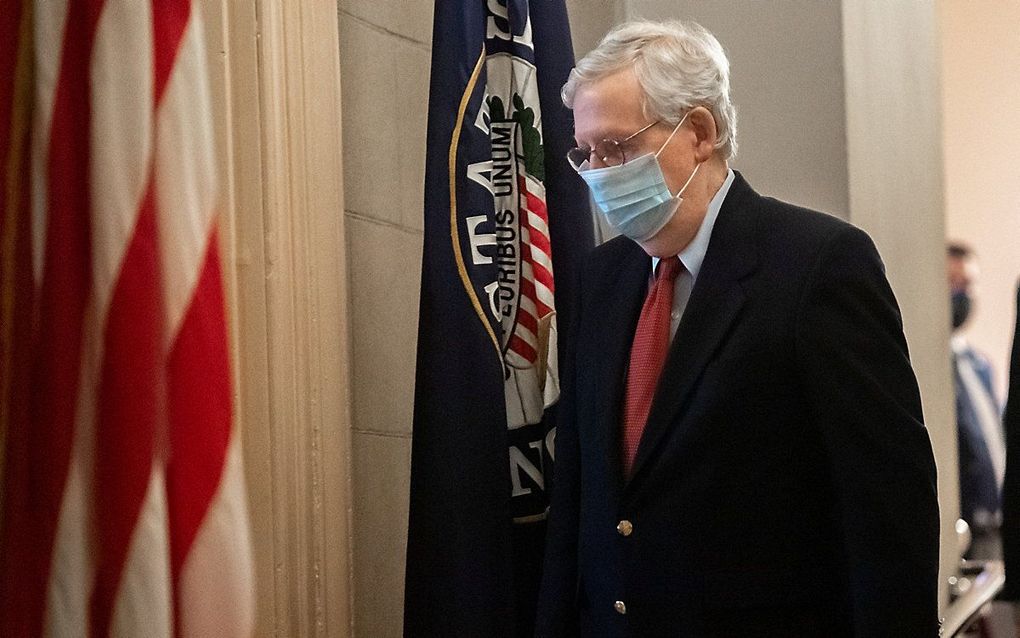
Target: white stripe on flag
(544,295)
(144,606)
(122,78)
(186,176)
(217,598)
(72,575)
(48,34)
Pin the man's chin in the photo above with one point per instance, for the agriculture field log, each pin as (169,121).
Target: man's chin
(670,240)
(660,245)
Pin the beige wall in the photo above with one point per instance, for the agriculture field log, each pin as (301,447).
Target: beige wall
(981,97)
(589,21)
(384,56)
(786,73)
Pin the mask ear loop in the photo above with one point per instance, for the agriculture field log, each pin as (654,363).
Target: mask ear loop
(689,179)
(670,138)
(663,147)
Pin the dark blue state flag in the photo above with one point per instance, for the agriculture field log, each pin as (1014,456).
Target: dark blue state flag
(506,224)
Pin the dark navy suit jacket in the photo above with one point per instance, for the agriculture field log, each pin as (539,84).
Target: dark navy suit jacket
(784,484)
(1011,485)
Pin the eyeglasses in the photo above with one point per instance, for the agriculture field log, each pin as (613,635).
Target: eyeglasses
(609,152)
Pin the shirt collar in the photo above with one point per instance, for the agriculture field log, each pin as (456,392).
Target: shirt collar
(958,344)
(694,254)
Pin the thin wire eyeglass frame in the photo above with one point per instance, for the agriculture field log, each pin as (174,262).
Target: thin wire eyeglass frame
(613,156)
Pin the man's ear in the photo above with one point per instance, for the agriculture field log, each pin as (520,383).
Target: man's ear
(703,125)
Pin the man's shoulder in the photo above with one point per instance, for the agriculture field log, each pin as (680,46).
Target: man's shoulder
(794,234)
(784,223)
(778,225)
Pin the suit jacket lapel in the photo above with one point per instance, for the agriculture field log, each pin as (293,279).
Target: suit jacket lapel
(714,304)
(622,306)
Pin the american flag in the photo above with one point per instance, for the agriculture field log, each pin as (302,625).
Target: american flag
(123,503)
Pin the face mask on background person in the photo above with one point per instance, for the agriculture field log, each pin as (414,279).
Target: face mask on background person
(633,197)
(960,304)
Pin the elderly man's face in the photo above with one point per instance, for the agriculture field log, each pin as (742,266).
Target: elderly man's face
(610,108)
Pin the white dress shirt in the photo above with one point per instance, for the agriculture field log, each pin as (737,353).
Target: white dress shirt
(693,255)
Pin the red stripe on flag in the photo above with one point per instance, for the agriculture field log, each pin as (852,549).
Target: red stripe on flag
(16,280)
(528,284)
(537,207)
(536,237)
(199,410)
(528,290)
(527,320)
(538,270)
(523,348)
(542,276)
(169,20)
(538,240)
(16,305)
(16,291)
(15,383)
(128,409)
(35,496)
(535,203)
(10,42)
(15,377)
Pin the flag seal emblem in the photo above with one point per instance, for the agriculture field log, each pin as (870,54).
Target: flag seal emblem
(501,241)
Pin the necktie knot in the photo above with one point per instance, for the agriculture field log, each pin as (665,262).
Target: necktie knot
(668,269)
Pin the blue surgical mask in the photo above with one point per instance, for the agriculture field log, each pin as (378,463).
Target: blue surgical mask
(633,197)
(960,303)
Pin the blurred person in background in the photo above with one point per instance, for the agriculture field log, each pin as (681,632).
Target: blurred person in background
(982,448)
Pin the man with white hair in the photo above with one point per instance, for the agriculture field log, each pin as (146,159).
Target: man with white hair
(740,448)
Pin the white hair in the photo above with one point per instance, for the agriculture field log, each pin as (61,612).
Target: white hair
(679,65)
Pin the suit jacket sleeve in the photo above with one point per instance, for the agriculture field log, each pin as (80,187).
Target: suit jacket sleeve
(865,401)
(557,613)
(1011,485)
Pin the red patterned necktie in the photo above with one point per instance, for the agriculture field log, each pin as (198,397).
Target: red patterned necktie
(647,357)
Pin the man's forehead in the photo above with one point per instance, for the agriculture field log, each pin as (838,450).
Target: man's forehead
(608,107)
(618,88)
(600,130)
